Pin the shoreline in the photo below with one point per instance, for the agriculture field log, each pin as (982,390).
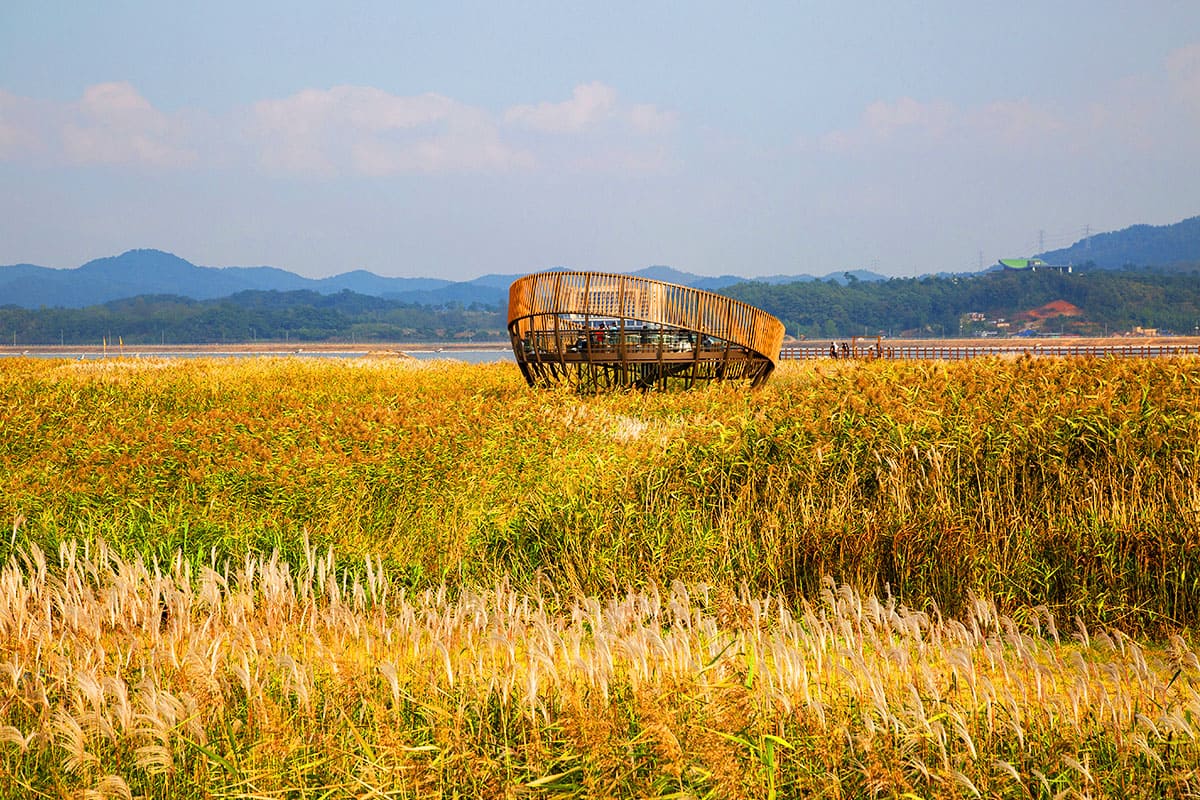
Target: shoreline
(399,348)
(257,348)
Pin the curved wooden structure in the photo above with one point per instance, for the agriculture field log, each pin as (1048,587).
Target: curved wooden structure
(594,331)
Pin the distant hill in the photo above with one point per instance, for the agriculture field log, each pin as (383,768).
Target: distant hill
(1165,246)
(154,272)
(1085,302)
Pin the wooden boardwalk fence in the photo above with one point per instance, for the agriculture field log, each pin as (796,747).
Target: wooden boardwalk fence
(870,348)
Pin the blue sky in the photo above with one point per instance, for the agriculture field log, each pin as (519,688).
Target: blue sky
(458,139)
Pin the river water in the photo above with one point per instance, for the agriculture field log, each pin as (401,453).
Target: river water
(467,356)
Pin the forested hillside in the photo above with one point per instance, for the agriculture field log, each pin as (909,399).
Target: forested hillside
(1175,246)
(1109,301)
(301,316)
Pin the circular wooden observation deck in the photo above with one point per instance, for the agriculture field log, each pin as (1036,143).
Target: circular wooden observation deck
(595,331)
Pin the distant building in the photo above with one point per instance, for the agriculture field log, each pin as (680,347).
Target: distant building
(1031,265)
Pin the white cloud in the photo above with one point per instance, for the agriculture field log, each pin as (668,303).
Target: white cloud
(1001,128)
(111,124)
(886,120)
(341,130)
(649,119)
(908,124)
(369,131)
(594,132)
(1147,113)
(593,107)
(590,104)
(1010,123)
(114,124)
(20,136)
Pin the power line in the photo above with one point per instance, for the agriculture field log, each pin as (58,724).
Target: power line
(1057,240)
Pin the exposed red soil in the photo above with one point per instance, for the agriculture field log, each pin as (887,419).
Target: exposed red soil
(1055,308)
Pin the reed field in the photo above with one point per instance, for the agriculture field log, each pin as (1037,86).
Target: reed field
(278,577)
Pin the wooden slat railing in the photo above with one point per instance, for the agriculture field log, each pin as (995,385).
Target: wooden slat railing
(579,327)
(960,352)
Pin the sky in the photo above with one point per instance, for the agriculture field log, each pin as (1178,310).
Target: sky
(457,139)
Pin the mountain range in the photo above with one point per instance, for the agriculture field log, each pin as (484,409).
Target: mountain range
(154,272)
(1164,246)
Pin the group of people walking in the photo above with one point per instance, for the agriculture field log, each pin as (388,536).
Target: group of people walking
(844,350)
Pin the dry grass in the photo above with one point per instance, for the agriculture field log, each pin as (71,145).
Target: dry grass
(1066,483)
(268,679)
(274,578)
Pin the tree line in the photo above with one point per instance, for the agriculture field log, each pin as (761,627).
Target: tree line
(268,316)
(1111,301)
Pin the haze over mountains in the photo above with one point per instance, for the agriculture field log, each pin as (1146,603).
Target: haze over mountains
(154,272)
(1167,246)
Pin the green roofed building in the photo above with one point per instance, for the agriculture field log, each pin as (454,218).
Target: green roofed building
(1031,265)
